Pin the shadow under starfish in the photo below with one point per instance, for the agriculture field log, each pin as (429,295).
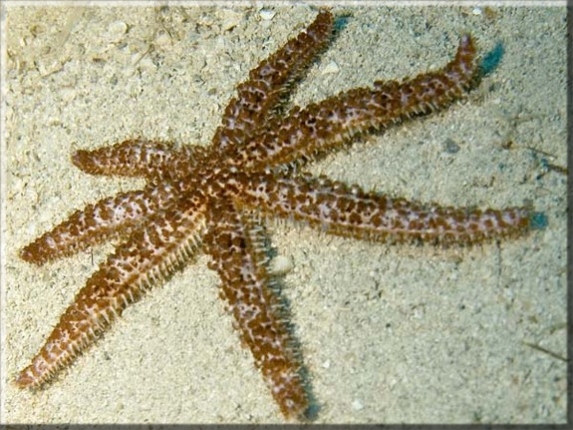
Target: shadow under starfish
(211,198)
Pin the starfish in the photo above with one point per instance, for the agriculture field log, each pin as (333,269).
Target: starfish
(215,199)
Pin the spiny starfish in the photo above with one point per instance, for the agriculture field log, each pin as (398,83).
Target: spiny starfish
(213,198)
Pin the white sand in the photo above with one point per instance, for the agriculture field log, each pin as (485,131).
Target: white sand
(390,334)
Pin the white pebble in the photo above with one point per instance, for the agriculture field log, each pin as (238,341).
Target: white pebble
(115,31)
(267,15)
(330,68)
(281,265)
(357,405)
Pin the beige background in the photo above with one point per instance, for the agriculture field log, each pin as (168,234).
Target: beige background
(389,333)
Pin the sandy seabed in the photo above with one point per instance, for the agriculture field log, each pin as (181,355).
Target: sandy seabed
(389,334)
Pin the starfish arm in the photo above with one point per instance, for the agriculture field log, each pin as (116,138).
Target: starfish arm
(148,258)
(348,211)
(139,158)
(324,126)
(235,243)
(97,223)
(268,83)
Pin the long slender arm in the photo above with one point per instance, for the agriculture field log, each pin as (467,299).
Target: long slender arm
(148,258)
(97,223)
(267,85)
(324,126)
(139,158)
(348,211)
(235,243)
